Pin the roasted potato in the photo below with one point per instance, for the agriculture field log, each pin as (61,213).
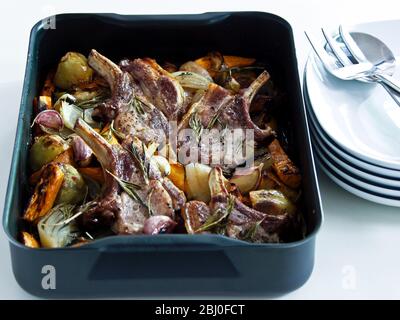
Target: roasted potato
(247,179)
(196,185)
(73,188)
(45,149)
(72,70)
(271,201)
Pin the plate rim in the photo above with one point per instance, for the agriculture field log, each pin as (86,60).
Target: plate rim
(392,165)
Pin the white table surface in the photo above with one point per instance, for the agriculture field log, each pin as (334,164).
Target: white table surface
(357,252)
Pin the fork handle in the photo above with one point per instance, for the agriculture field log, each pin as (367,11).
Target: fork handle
(389,80)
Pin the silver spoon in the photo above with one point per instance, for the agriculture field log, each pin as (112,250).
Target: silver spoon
(367,48)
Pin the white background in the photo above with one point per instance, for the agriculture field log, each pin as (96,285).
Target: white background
(358,252)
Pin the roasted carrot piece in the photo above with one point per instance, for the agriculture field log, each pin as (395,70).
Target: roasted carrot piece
(44,103)
(45,192)
(66,157)
(284,168)
(177,175)
(238,62)
(211,61)
(48,87)
(95,173)
(29,240)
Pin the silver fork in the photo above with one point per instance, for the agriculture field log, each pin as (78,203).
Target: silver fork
(345,61)
(335,67)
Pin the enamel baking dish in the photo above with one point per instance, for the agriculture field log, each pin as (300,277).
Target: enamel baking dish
(165,265)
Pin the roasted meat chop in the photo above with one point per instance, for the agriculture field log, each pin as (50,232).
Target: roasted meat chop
(120,84)
(221,110)
(133,113)
(240,222)
(155,195)
(160,88)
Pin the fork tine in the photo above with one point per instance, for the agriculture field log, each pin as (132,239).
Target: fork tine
(336,49)
(325,58)
(351,45)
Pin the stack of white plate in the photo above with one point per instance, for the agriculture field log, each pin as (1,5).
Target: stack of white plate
(355,129)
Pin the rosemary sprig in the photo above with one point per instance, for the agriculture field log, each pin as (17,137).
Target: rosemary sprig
(137,105)
(130,188)
(252,231)
(196,126)
(142,161)
(215,119)
(120,135)
(68,212)
(92,102)
(219,216)
(149,202)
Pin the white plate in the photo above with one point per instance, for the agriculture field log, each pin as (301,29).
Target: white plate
(331,157)
(356,163)
(358,183)
(361,118)
(356,191)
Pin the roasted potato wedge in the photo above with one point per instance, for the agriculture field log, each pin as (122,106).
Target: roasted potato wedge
(271,201)
(247,179)
(196,185)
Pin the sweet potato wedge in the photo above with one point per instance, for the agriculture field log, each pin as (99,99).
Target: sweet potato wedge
(29,240)
(66,157)
(45,192)
(237,62)
(213,62)
(284,168)
(177,175)
(95,173)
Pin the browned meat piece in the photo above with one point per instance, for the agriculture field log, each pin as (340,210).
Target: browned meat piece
(195,213)
(284,168)
(159,87)
(120,84)
(234,218)
(219,109)
(143,121)
(114,207)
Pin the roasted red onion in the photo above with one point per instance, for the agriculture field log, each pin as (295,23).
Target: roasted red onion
(50,121)
(82,153)
(158,224)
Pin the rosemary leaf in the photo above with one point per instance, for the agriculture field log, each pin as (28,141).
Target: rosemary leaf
(215,119)
(130,188)
(91,103)
(137,105)
(196,126)
(252,231)
(142,161)
(218,218)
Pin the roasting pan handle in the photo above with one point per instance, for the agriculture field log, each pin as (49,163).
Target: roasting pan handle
(162,256)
